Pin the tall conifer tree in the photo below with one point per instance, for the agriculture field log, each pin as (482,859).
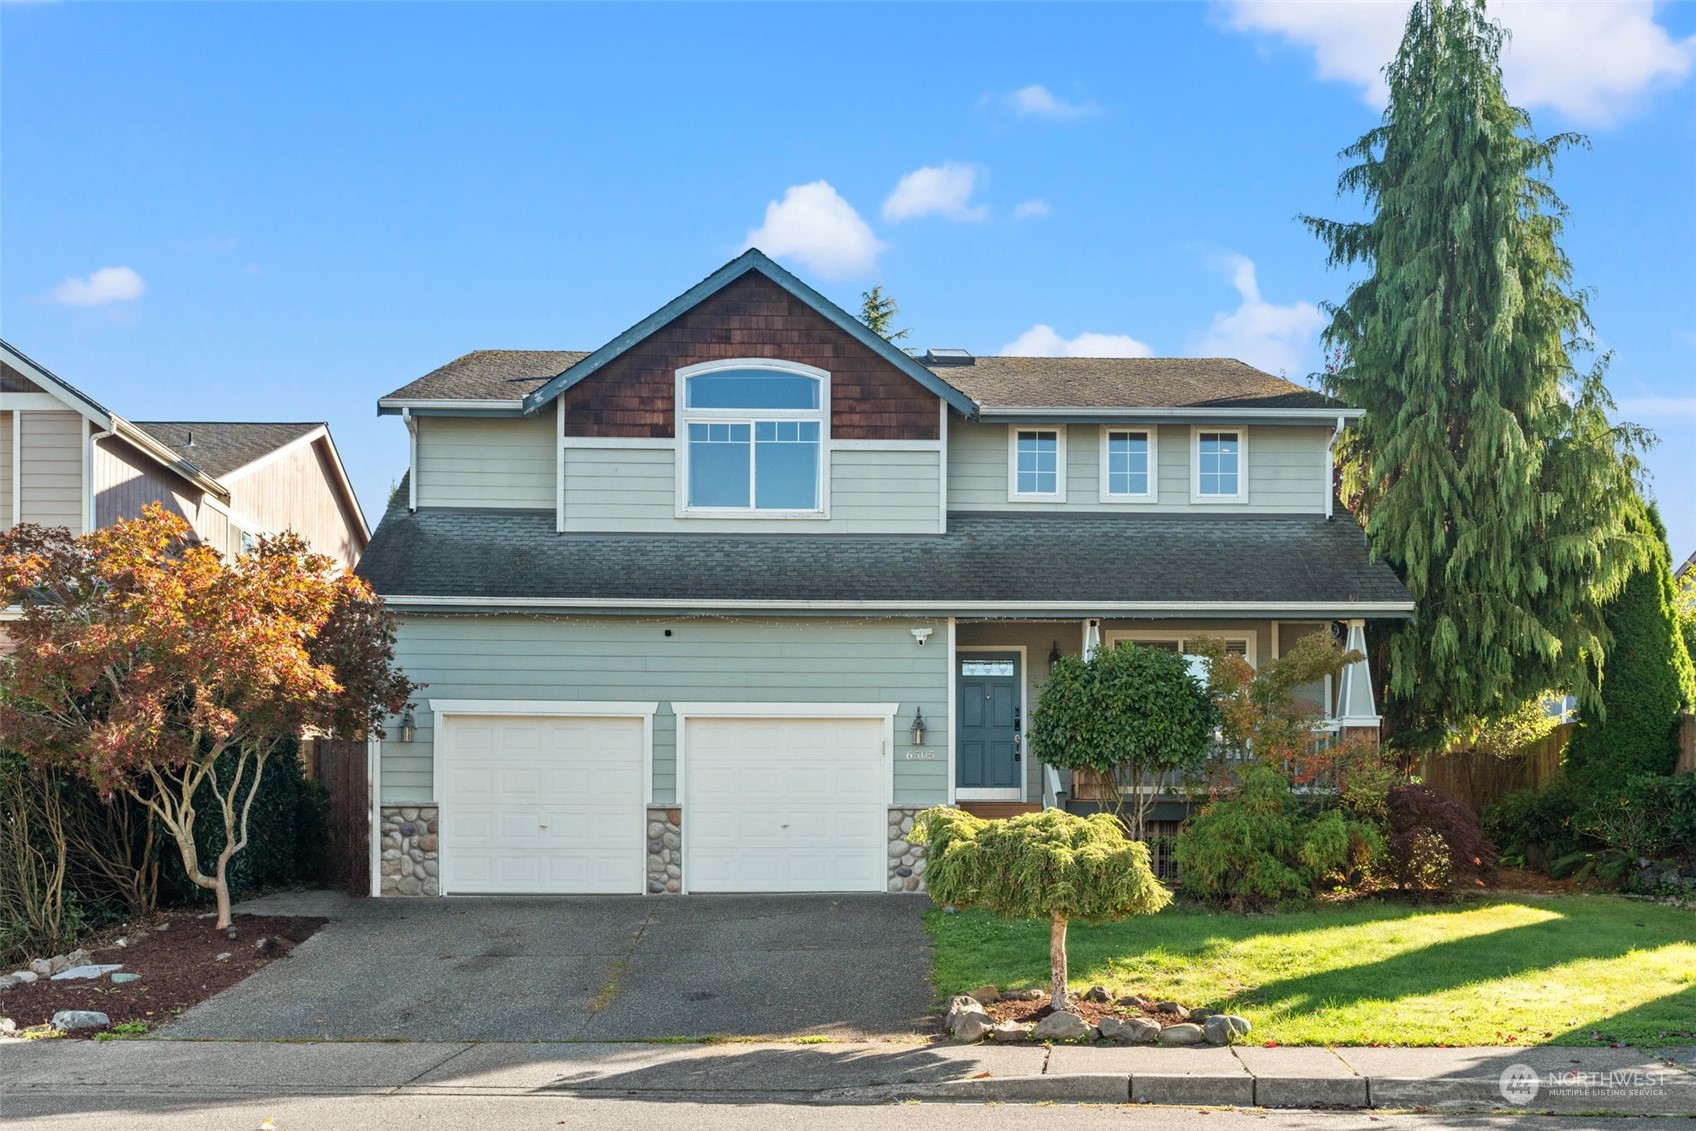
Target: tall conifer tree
(1485,469)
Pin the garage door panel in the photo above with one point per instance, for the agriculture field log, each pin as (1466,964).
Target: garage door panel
(548,806)
(784,804)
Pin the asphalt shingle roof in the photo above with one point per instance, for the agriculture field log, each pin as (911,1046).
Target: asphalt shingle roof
(221,446)
(998,557)
(995,382)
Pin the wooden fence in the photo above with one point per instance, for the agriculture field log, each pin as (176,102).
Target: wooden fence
(1686,744)
(1480,780)
(339,765)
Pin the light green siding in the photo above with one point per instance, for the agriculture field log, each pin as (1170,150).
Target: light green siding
(872,491)
(471,462)
(1286,471)
(52,467)
(705,659)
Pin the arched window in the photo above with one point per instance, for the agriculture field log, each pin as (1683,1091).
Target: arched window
(752,436)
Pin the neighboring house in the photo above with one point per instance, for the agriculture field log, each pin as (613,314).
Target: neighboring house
(719,606)
(66,460)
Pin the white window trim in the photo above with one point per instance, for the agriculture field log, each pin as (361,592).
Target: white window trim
(688,712)
(1152,495)
(1014,495)
(443,709)
(1024,685)
(1195,463)
(1141,636)
(685,416)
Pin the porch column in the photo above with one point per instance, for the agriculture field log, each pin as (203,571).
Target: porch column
(1356,710)
(1092,637)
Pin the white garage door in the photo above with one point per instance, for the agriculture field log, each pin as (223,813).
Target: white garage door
(784,805)
(550,805)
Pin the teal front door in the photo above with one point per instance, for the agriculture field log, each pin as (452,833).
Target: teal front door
(988,755)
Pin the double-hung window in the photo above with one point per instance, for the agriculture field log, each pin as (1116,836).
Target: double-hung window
(1127,465)
(1036,464)
(752,437)
(1220,459)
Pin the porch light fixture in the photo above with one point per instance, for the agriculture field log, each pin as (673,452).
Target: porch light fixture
(408,725)
(1054,655)
(918,726)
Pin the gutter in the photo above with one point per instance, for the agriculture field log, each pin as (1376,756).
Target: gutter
(1289,609)
(1087,414)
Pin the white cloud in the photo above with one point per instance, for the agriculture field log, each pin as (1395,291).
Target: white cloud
(1593,62)
(107,285)
(940,190)
(815,226)
(1037,101)
(1270,337)
(1043,341)
(1030,208)
(1654,406)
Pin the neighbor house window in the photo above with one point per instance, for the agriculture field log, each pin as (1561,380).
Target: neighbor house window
(1220,463)
(1127,465)
(752,437)
(1036,464)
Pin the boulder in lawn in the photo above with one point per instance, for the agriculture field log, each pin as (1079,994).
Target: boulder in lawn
(1129,1030)
(1225,1028)
(1060,1026)
(971,1027)
(1182,1034)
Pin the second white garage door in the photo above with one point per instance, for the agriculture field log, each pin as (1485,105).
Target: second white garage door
(544,805)
(784,804)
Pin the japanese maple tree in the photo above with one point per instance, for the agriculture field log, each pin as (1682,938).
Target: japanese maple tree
(143,658)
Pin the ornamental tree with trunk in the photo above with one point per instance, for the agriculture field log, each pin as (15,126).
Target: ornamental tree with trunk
(1485,468)
(144,657)
(1050,865)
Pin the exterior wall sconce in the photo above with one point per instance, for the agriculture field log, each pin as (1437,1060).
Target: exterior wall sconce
(408,725)
(918,726)
(1054,655)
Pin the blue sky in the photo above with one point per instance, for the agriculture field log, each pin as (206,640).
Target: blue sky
(248,211)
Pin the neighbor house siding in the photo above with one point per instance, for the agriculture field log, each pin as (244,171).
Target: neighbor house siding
(52,465)
(125,480)
(872,491)
(469,462)
(6,491)
(1286,470)
(297,491)
(706,659)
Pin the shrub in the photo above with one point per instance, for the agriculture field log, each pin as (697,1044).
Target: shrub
(1646,678)
(1646,817)
(1434,840)
(1537,825)
(1257,847)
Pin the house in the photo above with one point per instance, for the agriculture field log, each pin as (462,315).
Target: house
(66,460)
(718,606)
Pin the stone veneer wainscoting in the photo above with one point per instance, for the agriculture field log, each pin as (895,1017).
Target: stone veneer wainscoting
(906,859)
(410,862)
(665,851)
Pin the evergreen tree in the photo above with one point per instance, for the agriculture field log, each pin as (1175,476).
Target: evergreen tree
(878,311)
(1485,469)
(1646,680)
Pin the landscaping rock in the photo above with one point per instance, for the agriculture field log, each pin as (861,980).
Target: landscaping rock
(1129,1031)
(1200,1015)
(1171,1007)
(24,977)
(1134,1001)
(79,957)
(221,956)
(1098,994)
(67,1019)
(120,979)
(971,1027)
(59,963)
(985,995)
(1060,1027)
(7,982)
(265,945)
(1224,1028)
(1010,1032)
(41,967)
(1022,995)
(90,972)
(7,1026)
(1182,1034)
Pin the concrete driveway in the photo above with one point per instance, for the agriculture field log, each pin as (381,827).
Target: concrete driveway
(616,968)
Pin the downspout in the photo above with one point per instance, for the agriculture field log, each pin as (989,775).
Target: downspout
(1331,467)
(90,510)
(411,460)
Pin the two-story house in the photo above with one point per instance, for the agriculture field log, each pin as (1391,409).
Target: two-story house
(718,606)
(66,460)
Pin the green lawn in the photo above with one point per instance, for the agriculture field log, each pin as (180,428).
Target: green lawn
(1520,970)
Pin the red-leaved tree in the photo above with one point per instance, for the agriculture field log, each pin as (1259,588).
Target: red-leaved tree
(143,658)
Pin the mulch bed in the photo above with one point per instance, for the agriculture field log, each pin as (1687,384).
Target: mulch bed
(1091,1011)
(178,967)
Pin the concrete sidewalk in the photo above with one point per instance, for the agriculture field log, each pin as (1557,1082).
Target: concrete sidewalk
(1579,1080)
